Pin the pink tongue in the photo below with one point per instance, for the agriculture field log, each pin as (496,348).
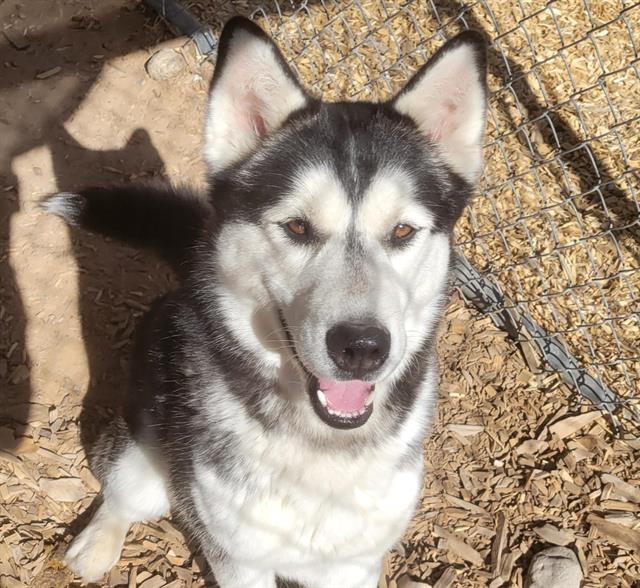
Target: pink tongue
(345,396)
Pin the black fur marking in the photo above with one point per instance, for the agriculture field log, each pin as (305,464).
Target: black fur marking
(402,397)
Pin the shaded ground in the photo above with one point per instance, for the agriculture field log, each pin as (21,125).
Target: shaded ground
(69,304)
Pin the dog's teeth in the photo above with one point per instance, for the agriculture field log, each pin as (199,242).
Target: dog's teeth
(340,413)
(322,398)
(369,400)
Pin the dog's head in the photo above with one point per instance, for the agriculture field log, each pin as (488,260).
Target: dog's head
(337,217)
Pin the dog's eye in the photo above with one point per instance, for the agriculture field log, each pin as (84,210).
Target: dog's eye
(298,229)
(297,226)
(402,232)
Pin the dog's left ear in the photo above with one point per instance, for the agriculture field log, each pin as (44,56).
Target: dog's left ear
(447,100)
(253,92)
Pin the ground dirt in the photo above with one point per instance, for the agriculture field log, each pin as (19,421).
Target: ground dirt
(509,470)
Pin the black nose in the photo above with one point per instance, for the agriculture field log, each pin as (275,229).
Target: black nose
(358,348)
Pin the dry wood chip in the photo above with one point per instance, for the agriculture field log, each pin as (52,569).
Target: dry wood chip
(49,73)
(464,430)
(142,576)
(89,479)
(618,534)
(6,456)
(569,426)
(508,562)
(531,447)
(406,581)
(173,559)
(469,481)
(385,573)
(626,519)
(498,545)
(447,579)
(619,505)
(153,582)
(63,489)
(133,577)
(458,546)
(465,505)
(182,573)
(525,376)
(554,535)
(623,488)
(9,582)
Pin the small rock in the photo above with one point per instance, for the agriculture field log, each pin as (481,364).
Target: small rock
(17,40)
(555,567)
(165,64)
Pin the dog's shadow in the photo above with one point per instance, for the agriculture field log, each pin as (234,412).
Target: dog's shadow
(116,284)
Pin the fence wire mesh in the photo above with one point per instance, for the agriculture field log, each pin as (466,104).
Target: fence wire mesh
(551,244)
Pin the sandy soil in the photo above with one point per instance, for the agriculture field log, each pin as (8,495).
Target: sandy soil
(69,303)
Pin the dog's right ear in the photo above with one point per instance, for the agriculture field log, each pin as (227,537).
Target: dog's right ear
(447,99)
(253,92)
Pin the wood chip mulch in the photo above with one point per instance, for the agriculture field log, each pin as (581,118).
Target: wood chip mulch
(513,465)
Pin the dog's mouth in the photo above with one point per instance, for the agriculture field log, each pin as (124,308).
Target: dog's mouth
(342,404)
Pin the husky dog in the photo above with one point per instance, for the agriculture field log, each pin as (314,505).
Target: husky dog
(280,397)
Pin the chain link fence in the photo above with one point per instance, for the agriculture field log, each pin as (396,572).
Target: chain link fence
(550,247)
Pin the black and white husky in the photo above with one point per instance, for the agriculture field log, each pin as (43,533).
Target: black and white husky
(280,398)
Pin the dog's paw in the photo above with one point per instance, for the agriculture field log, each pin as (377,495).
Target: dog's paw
(67,205)
(97,549)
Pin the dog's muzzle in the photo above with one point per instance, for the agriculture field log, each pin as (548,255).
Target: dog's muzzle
(356,349)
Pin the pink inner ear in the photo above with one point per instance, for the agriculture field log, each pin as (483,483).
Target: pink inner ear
(258,124)
(254,107)
(445,123)
(435,133)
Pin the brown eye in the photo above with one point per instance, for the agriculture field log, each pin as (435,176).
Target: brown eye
(402,231)
(297,227)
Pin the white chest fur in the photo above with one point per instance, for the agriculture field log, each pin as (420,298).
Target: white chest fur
(307,507)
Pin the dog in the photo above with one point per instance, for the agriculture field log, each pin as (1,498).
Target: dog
(280,397)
